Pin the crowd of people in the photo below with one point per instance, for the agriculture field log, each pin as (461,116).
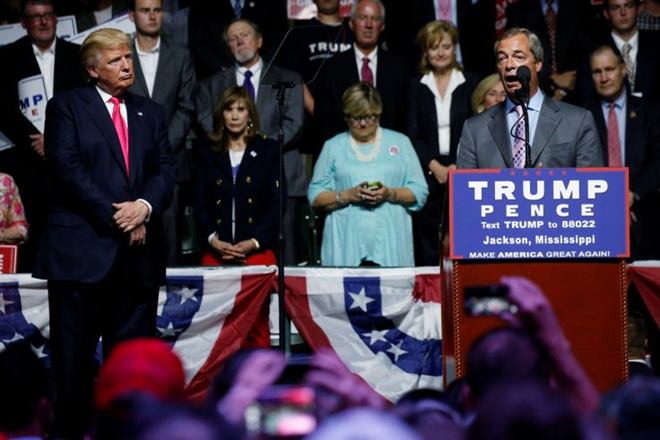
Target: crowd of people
(187,54)
(522,382)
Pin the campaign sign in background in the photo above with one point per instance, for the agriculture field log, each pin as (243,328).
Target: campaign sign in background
(539,213)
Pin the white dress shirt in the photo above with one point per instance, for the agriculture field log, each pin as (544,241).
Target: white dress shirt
(46,61)
(256,76)
(149,64)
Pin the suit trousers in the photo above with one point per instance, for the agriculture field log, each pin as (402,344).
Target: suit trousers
(116,308)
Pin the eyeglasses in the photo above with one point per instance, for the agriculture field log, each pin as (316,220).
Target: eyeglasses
(620,8)
(369,119)
(48,16)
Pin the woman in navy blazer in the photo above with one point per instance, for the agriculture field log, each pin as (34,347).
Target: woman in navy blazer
(237,186)
(439,104)
(236,195)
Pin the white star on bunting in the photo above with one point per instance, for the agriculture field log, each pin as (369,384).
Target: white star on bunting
(360,300)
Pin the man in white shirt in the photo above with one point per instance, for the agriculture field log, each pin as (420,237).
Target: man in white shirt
(164,72)
(39,53)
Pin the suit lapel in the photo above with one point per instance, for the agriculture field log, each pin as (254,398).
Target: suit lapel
(140,82)
(633,129)
(498,130)
(162,69)
(545,127)
(98,113)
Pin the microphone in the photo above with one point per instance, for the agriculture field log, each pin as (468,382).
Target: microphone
(523,75)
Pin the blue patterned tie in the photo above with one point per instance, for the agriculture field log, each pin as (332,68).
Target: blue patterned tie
(248,84)
(237,8)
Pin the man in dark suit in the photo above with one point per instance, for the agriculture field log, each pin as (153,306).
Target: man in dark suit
(561,134)
(388,73)
(164,72)
(251,71)
(40,52)
(638,48)
(629,130)
(113,173)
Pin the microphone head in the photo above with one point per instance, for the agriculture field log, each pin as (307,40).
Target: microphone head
(524,74)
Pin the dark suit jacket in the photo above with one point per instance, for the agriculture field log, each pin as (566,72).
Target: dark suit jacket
(86,20)
(642,150)
(81,243)
(423,123)
(173,89)
(209,91)
(565,137)
(647,69)
(21,63)
(255,194)
(341,72)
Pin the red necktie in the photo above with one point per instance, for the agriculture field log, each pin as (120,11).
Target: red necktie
(121,129)
(367,74)
(444,10)
(613,142)
(551,21)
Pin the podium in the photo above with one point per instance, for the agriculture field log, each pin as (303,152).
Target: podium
(587,294)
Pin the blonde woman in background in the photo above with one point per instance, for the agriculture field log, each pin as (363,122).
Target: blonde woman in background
(489,92)
(439,104)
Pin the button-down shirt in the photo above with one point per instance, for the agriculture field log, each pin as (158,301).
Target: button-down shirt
(149,64)
(373,62)
(46,61)
(256,76)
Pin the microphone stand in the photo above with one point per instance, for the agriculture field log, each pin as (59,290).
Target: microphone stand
(522,96)
(284,321)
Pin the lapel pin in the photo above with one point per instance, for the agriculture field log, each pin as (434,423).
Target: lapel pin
(139,114)
(253,153)
(633,114)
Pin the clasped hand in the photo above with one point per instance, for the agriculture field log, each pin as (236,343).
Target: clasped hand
(370,195)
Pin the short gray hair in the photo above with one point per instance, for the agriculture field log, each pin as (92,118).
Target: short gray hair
(378,2)
(535,44)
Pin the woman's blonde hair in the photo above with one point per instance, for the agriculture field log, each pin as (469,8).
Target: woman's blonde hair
(430,35)
(361,99)
(480,92)
(228,98)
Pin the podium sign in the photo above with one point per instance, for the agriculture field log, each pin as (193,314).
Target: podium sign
(8,254)
(540,213)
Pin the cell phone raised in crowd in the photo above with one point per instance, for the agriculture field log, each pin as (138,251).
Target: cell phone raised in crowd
(487,300)
(282,411)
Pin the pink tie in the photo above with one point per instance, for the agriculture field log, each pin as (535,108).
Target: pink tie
(444,10)
(367,74)
(613,141)
(121,129)
(519,141)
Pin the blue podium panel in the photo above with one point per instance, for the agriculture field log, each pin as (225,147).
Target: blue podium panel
(540,213)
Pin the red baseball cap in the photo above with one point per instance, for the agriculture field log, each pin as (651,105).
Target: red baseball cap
(144,365)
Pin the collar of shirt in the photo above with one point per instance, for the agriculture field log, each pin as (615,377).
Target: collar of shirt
(535,103)
(105,96)
(50,52)
(619,103)
(544,6)
(618,41)
(457,78)
(373,59)
(155,49)
(255,69)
